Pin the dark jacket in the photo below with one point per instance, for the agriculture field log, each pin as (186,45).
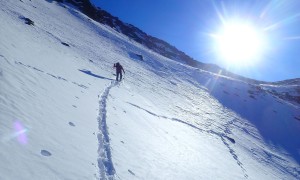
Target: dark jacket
(119,68)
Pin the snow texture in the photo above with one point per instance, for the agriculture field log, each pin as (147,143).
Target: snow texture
(63,116)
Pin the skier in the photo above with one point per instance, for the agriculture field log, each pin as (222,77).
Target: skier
(119,69)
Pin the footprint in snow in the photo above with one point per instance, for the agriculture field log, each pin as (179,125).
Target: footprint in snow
(230,139)
(45,153)
(65,44)
(71,124)
(131,172)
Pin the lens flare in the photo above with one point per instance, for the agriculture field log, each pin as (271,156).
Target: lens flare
(20,133)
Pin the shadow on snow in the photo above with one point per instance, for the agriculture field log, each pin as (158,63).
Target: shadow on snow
(273,119)
(94,75)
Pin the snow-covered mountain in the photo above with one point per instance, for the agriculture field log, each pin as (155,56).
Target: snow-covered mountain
(165,49)
(62,115)
(284,90)
(135,34)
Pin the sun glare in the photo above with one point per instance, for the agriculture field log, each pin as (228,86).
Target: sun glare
(239,44)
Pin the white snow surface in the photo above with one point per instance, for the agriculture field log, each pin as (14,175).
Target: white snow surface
(63,116)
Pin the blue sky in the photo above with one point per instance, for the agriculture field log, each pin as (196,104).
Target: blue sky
(189,24)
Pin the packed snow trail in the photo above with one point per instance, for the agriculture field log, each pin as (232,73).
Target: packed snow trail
(105,164)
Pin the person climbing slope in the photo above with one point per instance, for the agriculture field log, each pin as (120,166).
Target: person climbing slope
(119,69)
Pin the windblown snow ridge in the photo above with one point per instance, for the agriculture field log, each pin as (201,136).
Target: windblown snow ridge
(105,164)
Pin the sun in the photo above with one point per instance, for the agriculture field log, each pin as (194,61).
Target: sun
(239,44)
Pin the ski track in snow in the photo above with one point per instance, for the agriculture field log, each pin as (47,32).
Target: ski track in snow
(222,136)
(105,164)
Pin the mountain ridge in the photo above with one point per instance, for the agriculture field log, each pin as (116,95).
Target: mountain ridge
(157,45)
(165,49)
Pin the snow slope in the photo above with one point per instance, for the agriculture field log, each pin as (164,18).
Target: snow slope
(64,117)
